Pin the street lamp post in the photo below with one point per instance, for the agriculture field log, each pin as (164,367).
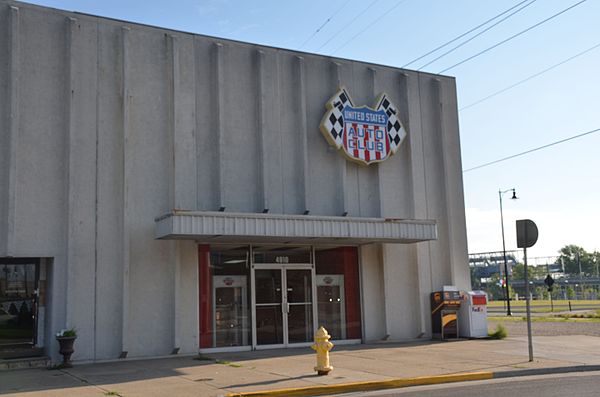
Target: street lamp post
(514,197)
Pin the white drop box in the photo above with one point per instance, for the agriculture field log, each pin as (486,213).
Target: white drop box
(472,315)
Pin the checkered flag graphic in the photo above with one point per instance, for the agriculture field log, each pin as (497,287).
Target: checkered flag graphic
(396,131)
(333,121)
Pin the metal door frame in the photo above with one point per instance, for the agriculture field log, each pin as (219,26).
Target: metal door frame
(283,268)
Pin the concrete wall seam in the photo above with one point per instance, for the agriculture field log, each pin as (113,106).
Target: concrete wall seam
(13,126)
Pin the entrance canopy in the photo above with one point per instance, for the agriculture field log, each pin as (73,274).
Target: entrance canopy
(223,227)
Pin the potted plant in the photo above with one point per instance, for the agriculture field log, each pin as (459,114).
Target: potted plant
(66,339)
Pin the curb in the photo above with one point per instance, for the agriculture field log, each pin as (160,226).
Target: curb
(417,381)
(367,386)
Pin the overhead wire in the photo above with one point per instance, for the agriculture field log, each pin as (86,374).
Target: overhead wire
(386,13)
(323,24)
(532,150)
(463,35)
(528,78)
(512,37)
(477,35)
(347,25)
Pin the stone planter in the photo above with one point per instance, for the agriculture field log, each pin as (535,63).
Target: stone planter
(66,349)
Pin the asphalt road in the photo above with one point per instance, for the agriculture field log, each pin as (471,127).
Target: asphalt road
(572,385)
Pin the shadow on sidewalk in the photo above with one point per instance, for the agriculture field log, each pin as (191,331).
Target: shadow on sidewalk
(271,382)
(300,351)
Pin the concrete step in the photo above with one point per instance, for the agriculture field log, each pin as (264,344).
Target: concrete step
(24,363)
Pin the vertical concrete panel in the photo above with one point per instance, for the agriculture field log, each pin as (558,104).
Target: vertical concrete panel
(302,131)
(110,192)
(39,181)
(240,157)
(9,115)
(291,138)
(80,144)
(40,184)
(401,288)
(151,275)
(261,147)
(5,95)
(323,160)
(414,146)
(335,83)
(55,306)
(394,173)
(6,47)
(434,179)
(127,159)
(218,52)
(372,293)
(367,180)
(187,298)
(348,195)
(272,156)
(181,79)
(207,149)
(455,203)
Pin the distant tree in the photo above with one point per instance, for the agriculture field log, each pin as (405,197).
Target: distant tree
(571,256)
(533,272)
(595,258)
(475,280)
(494,288)
(518,271)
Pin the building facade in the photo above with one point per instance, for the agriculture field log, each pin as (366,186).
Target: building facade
(166,192)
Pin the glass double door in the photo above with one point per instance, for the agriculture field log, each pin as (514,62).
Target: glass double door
(283,305)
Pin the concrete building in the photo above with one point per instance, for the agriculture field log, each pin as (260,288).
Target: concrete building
(174,192)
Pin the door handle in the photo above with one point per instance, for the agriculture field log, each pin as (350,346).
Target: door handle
(286,308)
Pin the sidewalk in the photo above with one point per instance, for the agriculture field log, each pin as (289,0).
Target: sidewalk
(270,370)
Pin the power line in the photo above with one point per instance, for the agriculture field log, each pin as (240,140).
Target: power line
(528,78)
(347,25)
(462,35)
(512,37)
(532,150)
(323,24)
(477,35)
(386,13)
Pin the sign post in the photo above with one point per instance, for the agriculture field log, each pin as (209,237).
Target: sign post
(527,235)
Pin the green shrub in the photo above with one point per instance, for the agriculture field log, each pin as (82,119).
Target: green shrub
(67,333)
(499,333)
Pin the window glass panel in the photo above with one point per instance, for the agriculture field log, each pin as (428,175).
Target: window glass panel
(269,325)
(338,291)
(299,286)
(300,326)
(268,286)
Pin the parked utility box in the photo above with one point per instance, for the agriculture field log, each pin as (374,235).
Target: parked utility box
(445,305)
(473,314)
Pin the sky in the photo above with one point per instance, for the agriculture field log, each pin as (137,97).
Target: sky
(558,187)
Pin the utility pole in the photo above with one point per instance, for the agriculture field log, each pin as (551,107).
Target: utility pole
(507,289)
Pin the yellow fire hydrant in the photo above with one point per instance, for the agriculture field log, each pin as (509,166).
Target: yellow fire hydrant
(322,346)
